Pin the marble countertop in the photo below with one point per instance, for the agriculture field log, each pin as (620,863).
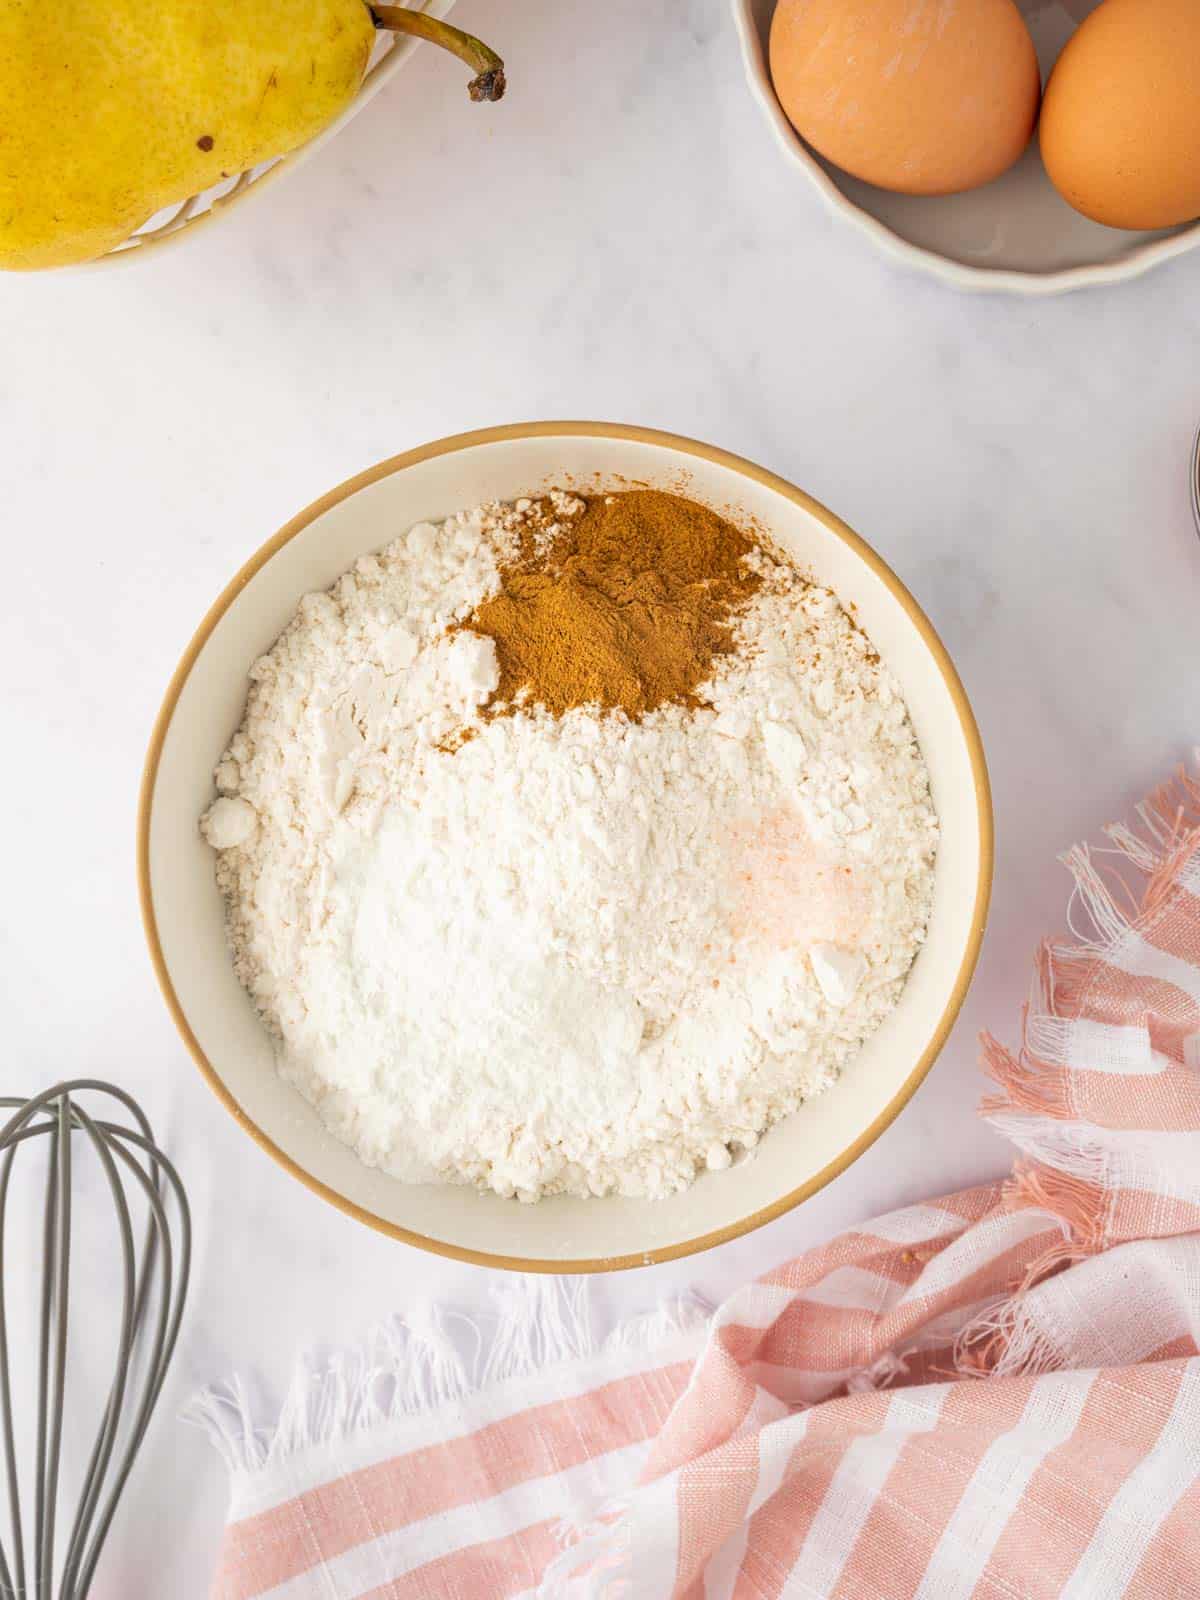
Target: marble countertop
(620,240)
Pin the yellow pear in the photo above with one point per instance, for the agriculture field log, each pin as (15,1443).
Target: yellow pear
(113,109)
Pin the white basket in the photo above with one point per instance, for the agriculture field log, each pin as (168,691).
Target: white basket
(391,52)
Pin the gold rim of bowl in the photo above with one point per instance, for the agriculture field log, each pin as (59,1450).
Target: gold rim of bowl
(739,466)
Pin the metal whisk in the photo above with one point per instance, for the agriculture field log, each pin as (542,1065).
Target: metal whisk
(154,1285)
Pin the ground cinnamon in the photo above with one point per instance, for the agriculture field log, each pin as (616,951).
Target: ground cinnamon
(627,607)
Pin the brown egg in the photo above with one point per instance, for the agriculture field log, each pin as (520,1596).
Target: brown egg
(1120,130)
(922,96)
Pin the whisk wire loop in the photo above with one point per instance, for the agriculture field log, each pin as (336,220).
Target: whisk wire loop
(132,1165)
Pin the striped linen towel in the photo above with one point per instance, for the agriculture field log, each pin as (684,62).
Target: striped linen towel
(996,1393)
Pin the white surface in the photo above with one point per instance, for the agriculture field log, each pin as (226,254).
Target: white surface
(621,238)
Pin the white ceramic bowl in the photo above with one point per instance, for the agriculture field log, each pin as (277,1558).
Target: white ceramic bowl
(1017,234)
(183,913)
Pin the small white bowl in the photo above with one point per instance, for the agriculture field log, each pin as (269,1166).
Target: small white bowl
(1016,234)
(182,910)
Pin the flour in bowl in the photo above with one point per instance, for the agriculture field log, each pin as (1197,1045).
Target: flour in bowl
(541,946)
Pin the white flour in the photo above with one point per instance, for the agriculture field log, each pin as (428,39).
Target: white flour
(572,954)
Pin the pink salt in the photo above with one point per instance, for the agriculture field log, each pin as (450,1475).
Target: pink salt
(790,892)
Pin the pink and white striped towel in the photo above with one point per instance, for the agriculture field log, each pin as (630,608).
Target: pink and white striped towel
(994,1394)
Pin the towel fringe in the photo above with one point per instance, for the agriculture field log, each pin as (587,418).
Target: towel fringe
(1032,1107)
(1005,1342)
(414,1365)
(1067,1172)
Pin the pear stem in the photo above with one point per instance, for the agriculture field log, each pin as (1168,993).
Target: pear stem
(488,83)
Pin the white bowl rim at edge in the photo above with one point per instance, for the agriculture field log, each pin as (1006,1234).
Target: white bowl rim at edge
(972,745)
(1004,280)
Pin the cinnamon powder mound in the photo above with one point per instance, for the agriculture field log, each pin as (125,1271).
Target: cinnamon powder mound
(626,607)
